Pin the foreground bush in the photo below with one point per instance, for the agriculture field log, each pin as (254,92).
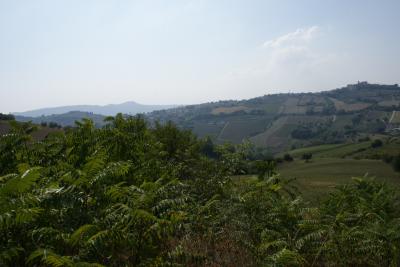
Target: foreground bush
(133,195)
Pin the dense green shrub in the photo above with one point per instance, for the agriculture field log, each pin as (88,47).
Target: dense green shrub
(376,143)
(132,195)
(396,163)
(287,157)
(6,117)
(307,157)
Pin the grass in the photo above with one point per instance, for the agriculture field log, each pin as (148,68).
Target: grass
(331,150)
(392,149)
(264,139)
(320,176)
(352,150)
(203,129)
(4,127)
(341,121)
(272,108)
(228,110)
(396,117)
(340,105)
(237,130)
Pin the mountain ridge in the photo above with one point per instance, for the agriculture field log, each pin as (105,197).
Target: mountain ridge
(280,122)
(129,107)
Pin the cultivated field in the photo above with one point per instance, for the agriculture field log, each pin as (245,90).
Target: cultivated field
(228,110)
(237,130)
(331,150)
(320,176)
(203,129)
(273,136)
(340,105)
(291,107)
(395,117)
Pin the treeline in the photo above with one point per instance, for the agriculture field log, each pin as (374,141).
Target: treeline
(132,195)
(6,117)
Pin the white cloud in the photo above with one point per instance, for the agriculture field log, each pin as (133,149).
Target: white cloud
(296,61)
(287,55)
(298,37)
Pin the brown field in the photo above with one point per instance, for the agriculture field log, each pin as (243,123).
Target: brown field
(340,105)
(291,107)
(228,110)
(315,100)
(389,103)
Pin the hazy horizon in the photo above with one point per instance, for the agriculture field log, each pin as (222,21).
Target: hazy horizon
(150,104)
(60,53)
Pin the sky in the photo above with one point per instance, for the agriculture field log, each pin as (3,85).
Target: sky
(66,52)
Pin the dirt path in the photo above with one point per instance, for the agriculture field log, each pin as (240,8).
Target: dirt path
(391,118)
(223,129)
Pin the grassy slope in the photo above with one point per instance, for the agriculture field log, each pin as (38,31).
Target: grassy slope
(353,150)
(237,130)
(395,118)
(203,129)
(330,150)
(322,175)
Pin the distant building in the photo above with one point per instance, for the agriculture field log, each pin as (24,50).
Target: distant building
(357,85)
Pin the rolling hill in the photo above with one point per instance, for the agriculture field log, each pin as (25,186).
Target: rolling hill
(278,122)
(66,119)
(130,108)
(282,122)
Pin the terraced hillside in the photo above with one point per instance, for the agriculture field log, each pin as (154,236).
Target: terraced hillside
(282,122)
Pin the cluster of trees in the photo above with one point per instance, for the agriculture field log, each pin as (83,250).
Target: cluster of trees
(311,130)
(132,195)
(50,124)
(6,117)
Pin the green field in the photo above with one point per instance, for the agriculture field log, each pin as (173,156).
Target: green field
(395,117)
(331,150)
(351,150)
(203,129)
(237,130)
(318,177)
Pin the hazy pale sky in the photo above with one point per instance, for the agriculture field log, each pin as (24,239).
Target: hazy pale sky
(67,52)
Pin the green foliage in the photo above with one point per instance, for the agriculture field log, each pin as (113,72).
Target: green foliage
(287,157)
(132,195)
(396,163)
(376,143)
(6,117)
(307,157)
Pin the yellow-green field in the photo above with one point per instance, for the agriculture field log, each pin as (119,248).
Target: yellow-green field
(320,176)
(395,118)
(331,150)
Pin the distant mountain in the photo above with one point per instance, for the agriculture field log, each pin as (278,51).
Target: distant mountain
(130,108)
(66,119)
